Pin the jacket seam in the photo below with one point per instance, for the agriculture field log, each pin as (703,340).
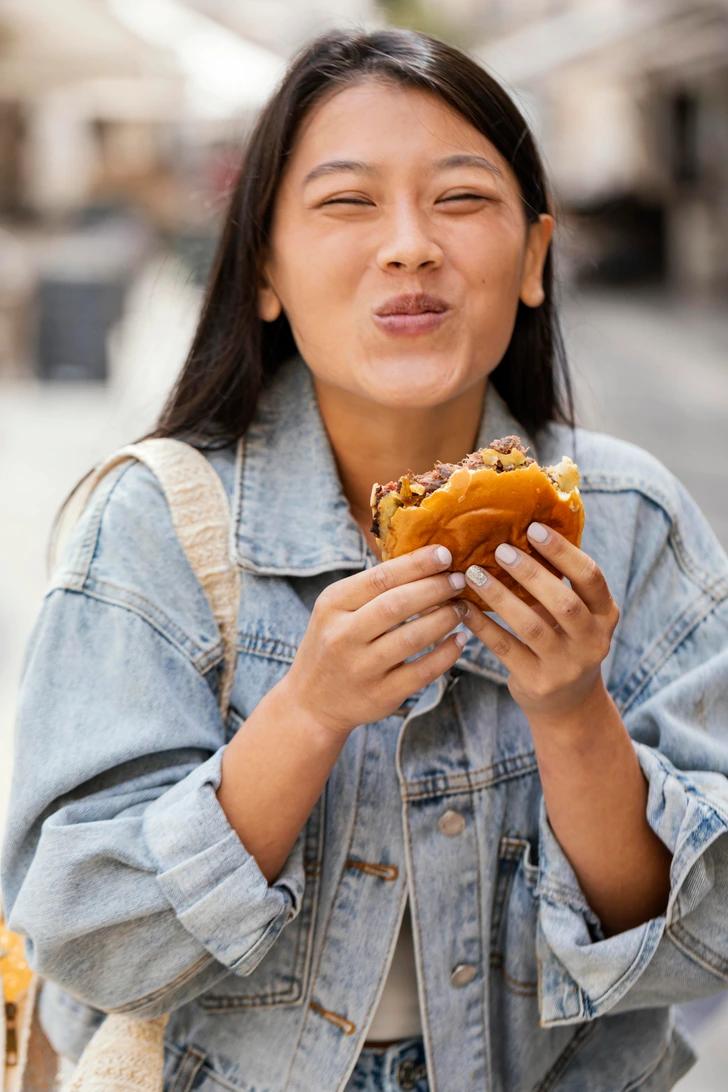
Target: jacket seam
(712,585)
(202,660)
(479,874)
(161,991)
(639,1081)
(452,785)
(326,926)
(580,1036)
(697,951)
(90,540)
(636,968)
(645,671)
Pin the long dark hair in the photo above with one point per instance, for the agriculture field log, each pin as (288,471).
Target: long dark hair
(234,353)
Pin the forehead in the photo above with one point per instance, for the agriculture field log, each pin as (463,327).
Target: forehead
(386,122)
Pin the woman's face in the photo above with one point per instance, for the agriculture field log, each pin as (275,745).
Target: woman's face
(351,238)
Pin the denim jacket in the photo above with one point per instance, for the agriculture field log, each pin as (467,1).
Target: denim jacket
(136,895)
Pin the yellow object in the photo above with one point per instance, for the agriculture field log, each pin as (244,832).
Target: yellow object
(16,977)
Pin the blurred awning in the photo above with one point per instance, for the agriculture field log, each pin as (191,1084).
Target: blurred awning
(644,36)
(46,46)
(225,73)
(147,60)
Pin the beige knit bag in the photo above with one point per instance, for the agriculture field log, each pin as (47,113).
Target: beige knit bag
(126,1053)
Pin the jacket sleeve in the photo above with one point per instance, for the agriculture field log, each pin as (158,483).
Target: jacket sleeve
(119,864)
(674,703)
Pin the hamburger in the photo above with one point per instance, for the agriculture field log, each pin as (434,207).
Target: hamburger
(489,497)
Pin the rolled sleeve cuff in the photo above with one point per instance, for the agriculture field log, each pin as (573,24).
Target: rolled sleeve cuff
(582,974)
(214,884)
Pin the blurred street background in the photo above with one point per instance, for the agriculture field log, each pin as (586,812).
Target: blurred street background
(121,128)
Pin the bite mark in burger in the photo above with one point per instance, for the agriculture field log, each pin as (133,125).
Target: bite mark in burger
(489,497)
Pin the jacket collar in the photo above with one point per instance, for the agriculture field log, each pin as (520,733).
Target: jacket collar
(290,514)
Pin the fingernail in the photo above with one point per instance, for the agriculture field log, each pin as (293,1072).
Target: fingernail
(443,555)
(477,575)
(538,532)
(461,638)
(506,554)
(457,580)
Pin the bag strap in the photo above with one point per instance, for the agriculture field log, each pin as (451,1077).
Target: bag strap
(125,1051)
(201,517)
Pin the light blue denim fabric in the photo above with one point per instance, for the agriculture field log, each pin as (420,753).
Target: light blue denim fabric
(391,1069)
(136,895)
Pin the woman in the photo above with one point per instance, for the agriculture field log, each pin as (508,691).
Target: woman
(402,863)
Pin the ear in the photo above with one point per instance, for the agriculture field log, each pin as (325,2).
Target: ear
(269,306)
(537,245)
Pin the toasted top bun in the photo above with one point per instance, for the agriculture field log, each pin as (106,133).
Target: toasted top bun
(477,509)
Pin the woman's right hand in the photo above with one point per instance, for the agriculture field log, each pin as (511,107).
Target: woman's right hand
(349,668)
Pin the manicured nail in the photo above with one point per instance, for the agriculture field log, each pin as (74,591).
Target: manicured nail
(443,555)
(506,554)
(538,532)
(456,579)
(476,575)
(461,638)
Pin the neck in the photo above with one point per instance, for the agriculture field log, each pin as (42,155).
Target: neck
(373,443)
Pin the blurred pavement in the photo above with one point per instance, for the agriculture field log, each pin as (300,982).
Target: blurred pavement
(648,369)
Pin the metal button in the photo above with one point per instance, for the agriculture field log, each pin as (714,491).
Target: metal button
(463,973)
(409,1074)
(451,823)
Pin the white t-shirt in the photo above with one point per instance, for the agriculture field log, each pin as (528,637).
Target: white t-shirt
(398,1013)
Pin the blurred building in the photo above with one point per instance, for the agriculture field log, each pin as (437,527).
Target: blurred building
(629,99)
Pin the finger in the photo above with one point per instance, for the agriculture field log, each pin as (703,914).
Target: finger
(410,677)
(546,615)
(393,607)
(562,603)
(512,653)
(413,637)
(584,574)
(529,626)
(353,592)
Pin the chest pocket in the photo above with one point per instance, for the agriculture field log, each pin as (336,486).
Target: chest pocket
(282,976)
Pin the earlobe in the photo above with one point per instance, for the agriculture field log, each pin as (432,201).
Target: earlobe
(269,306)
(539,237)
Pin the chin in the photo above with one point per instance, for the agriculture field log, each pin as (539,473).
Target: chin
(412,380)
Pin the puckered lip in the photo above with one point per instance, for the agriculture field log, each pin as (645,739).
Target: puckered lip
(412,303)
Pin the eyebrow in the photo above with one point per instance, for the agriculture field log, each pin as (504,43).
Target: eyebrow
(462,159)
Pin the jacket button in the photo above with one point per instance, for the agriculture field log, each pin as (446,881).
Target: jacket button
(451,823)
(463,973)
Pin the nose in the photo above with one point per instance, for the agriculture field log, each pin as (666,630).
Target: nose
(408,242)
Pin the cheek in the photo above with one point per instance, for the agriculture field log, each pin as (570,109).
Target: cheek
(318,270)
(492,257)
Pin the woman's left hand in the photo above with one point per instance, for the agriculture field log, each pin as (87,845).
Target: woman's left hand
(555,658)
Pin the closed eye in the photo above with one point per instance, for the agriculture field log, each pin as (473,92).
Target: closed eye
(357,201)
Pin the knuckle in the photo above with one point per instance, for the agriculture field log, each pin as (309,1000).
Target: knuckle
(332,635)
(391,607)
(591,573)
(325,600)
(409,641)
(379,579)
(501,646)
(571,607)
(534,631)
(424,561)
(423,670)
(529,570)
(541,689)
